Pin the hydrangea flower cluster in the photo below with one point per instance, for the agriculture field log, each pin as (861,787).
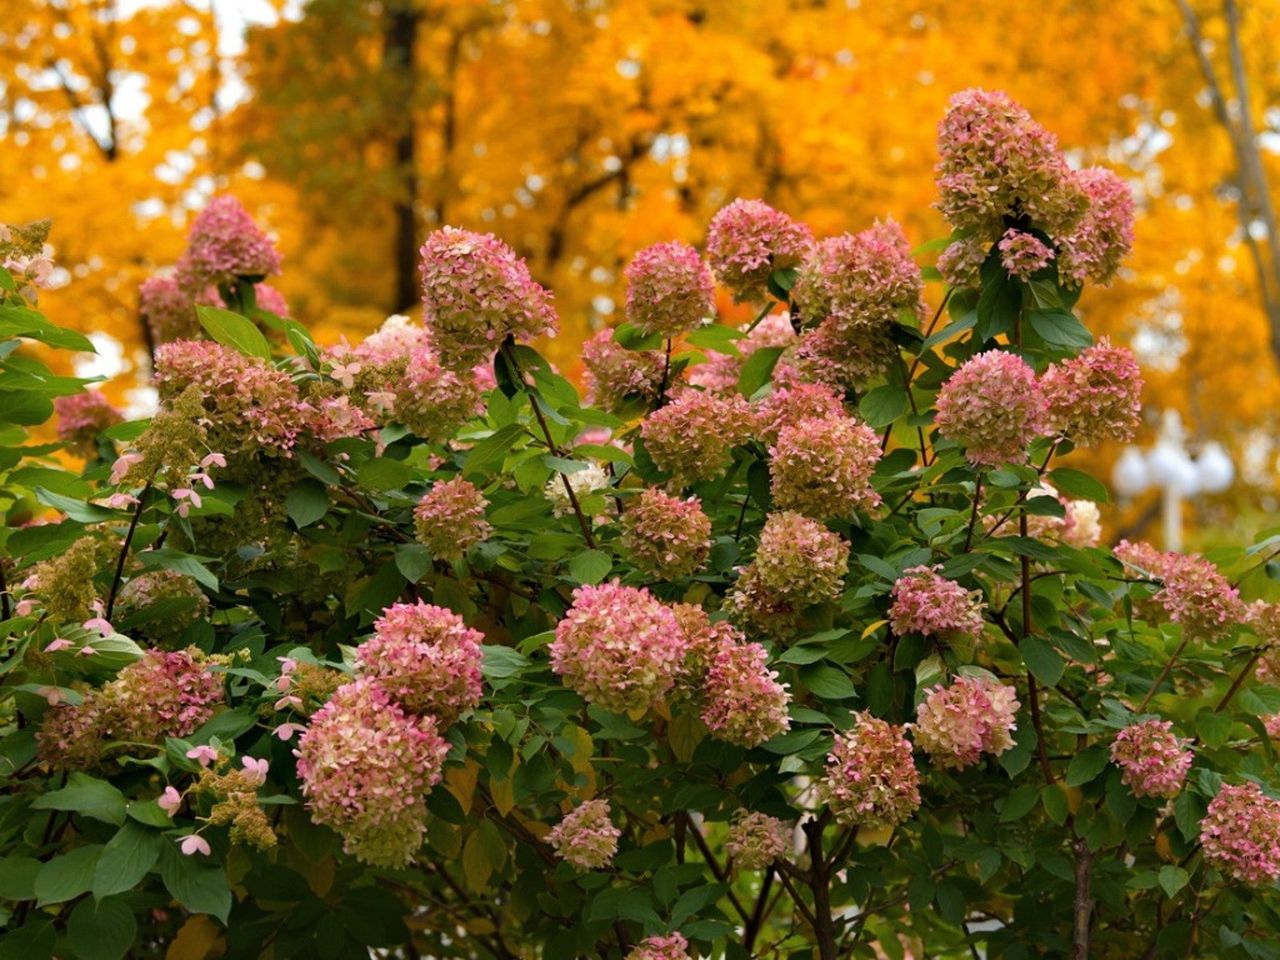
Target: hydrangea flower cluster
(754,604)
(449,520)
(871,779)
(1095,396)
(755,840)
(996,161)
(748,240)
(670,291)
(692,437)
(612,374)
(586,837)
(1153,762)
(1094,250)
(856,283)
(1240,834)
(164,603)
(365,766)
(82,416)
(225,245)
(584,482)
(786,405)
(960,264)
(619,647)
(163,694)
(744,703)
(822,355)
(167,309)
(666,536)
(955,725)
(431,400)
(1083,524)
(927,603)
(426,658)
(1193,593)
(822,468)
(704,638)
(1022,253)
(476,292)
(993,406)
(800,560)
(671,947)
(250,406)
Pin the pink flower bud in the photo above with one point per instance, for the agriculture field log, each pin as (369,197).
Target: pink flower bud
(204,754)
(169,801)
(194,843)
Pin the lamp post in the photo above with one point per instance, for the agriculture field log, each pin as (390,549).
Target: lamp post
(1167,465)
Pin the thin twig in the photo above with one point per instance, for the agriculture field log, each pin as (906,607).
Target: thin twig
(124,549)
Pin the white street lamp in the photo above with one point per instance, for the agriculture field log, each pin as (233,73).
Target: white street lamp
(1168,466)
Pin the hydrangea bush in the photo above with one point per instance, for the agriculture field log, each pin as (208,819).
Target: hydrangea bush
(795,640)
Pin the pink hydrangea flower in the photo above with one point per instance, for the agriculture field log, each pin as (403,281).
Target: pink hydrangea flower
(788,405)
(1240,834)
(670,291)
(613,374)
(193,843)
(859,282)
(450,519)
(671,947)
(1194,593)
(993,406)
(996,161)
(871,779)
(822,468)
(1096,396)
(586,837)
(169,801)
(1022,254)
(927,603)
(800,559)
(666,536)
(955,725)
(475,293)
(223,245)
(203,755)
(256,769)
(167,309)
(1094,250)
(365,765)
(755,840)
(748,240)
(1152,760)
(270,299)
(58,643)
(431,400)
(961,262)
(426,658)
(693,437)
(744,704)
(82,416)
(619,647)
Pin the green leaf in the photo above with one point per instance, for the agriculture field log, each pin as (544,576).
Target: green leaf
(1045,663)
(1173,878)
(232,330)
(18,878)
(75,509)
(66,877)
(126,859)
(307,502)
(383,473)
(167,558)
(757,370)
(194,882)
(715,337)
(1188,810)
(827,682)
(883,405)
(86,795)
(1019,803)
(1086,765)
(1077,483)
(24,407)
(1059,328)
(502,662)
(413,560)
(488,455)
(35,941)
(590,566)
(101,929)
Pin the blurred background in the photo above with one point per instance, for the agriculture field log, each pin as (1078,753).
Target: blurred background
(581,130)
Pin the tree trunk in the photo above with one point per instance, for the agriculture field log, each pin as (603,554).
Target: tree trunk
(398,57)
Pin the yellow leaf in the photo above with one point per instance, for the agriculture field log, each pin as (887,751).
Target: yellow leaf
(461,782)
(684,735)
(580,759)
(503,793)
(874,836)
(873,628)
(199,939)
